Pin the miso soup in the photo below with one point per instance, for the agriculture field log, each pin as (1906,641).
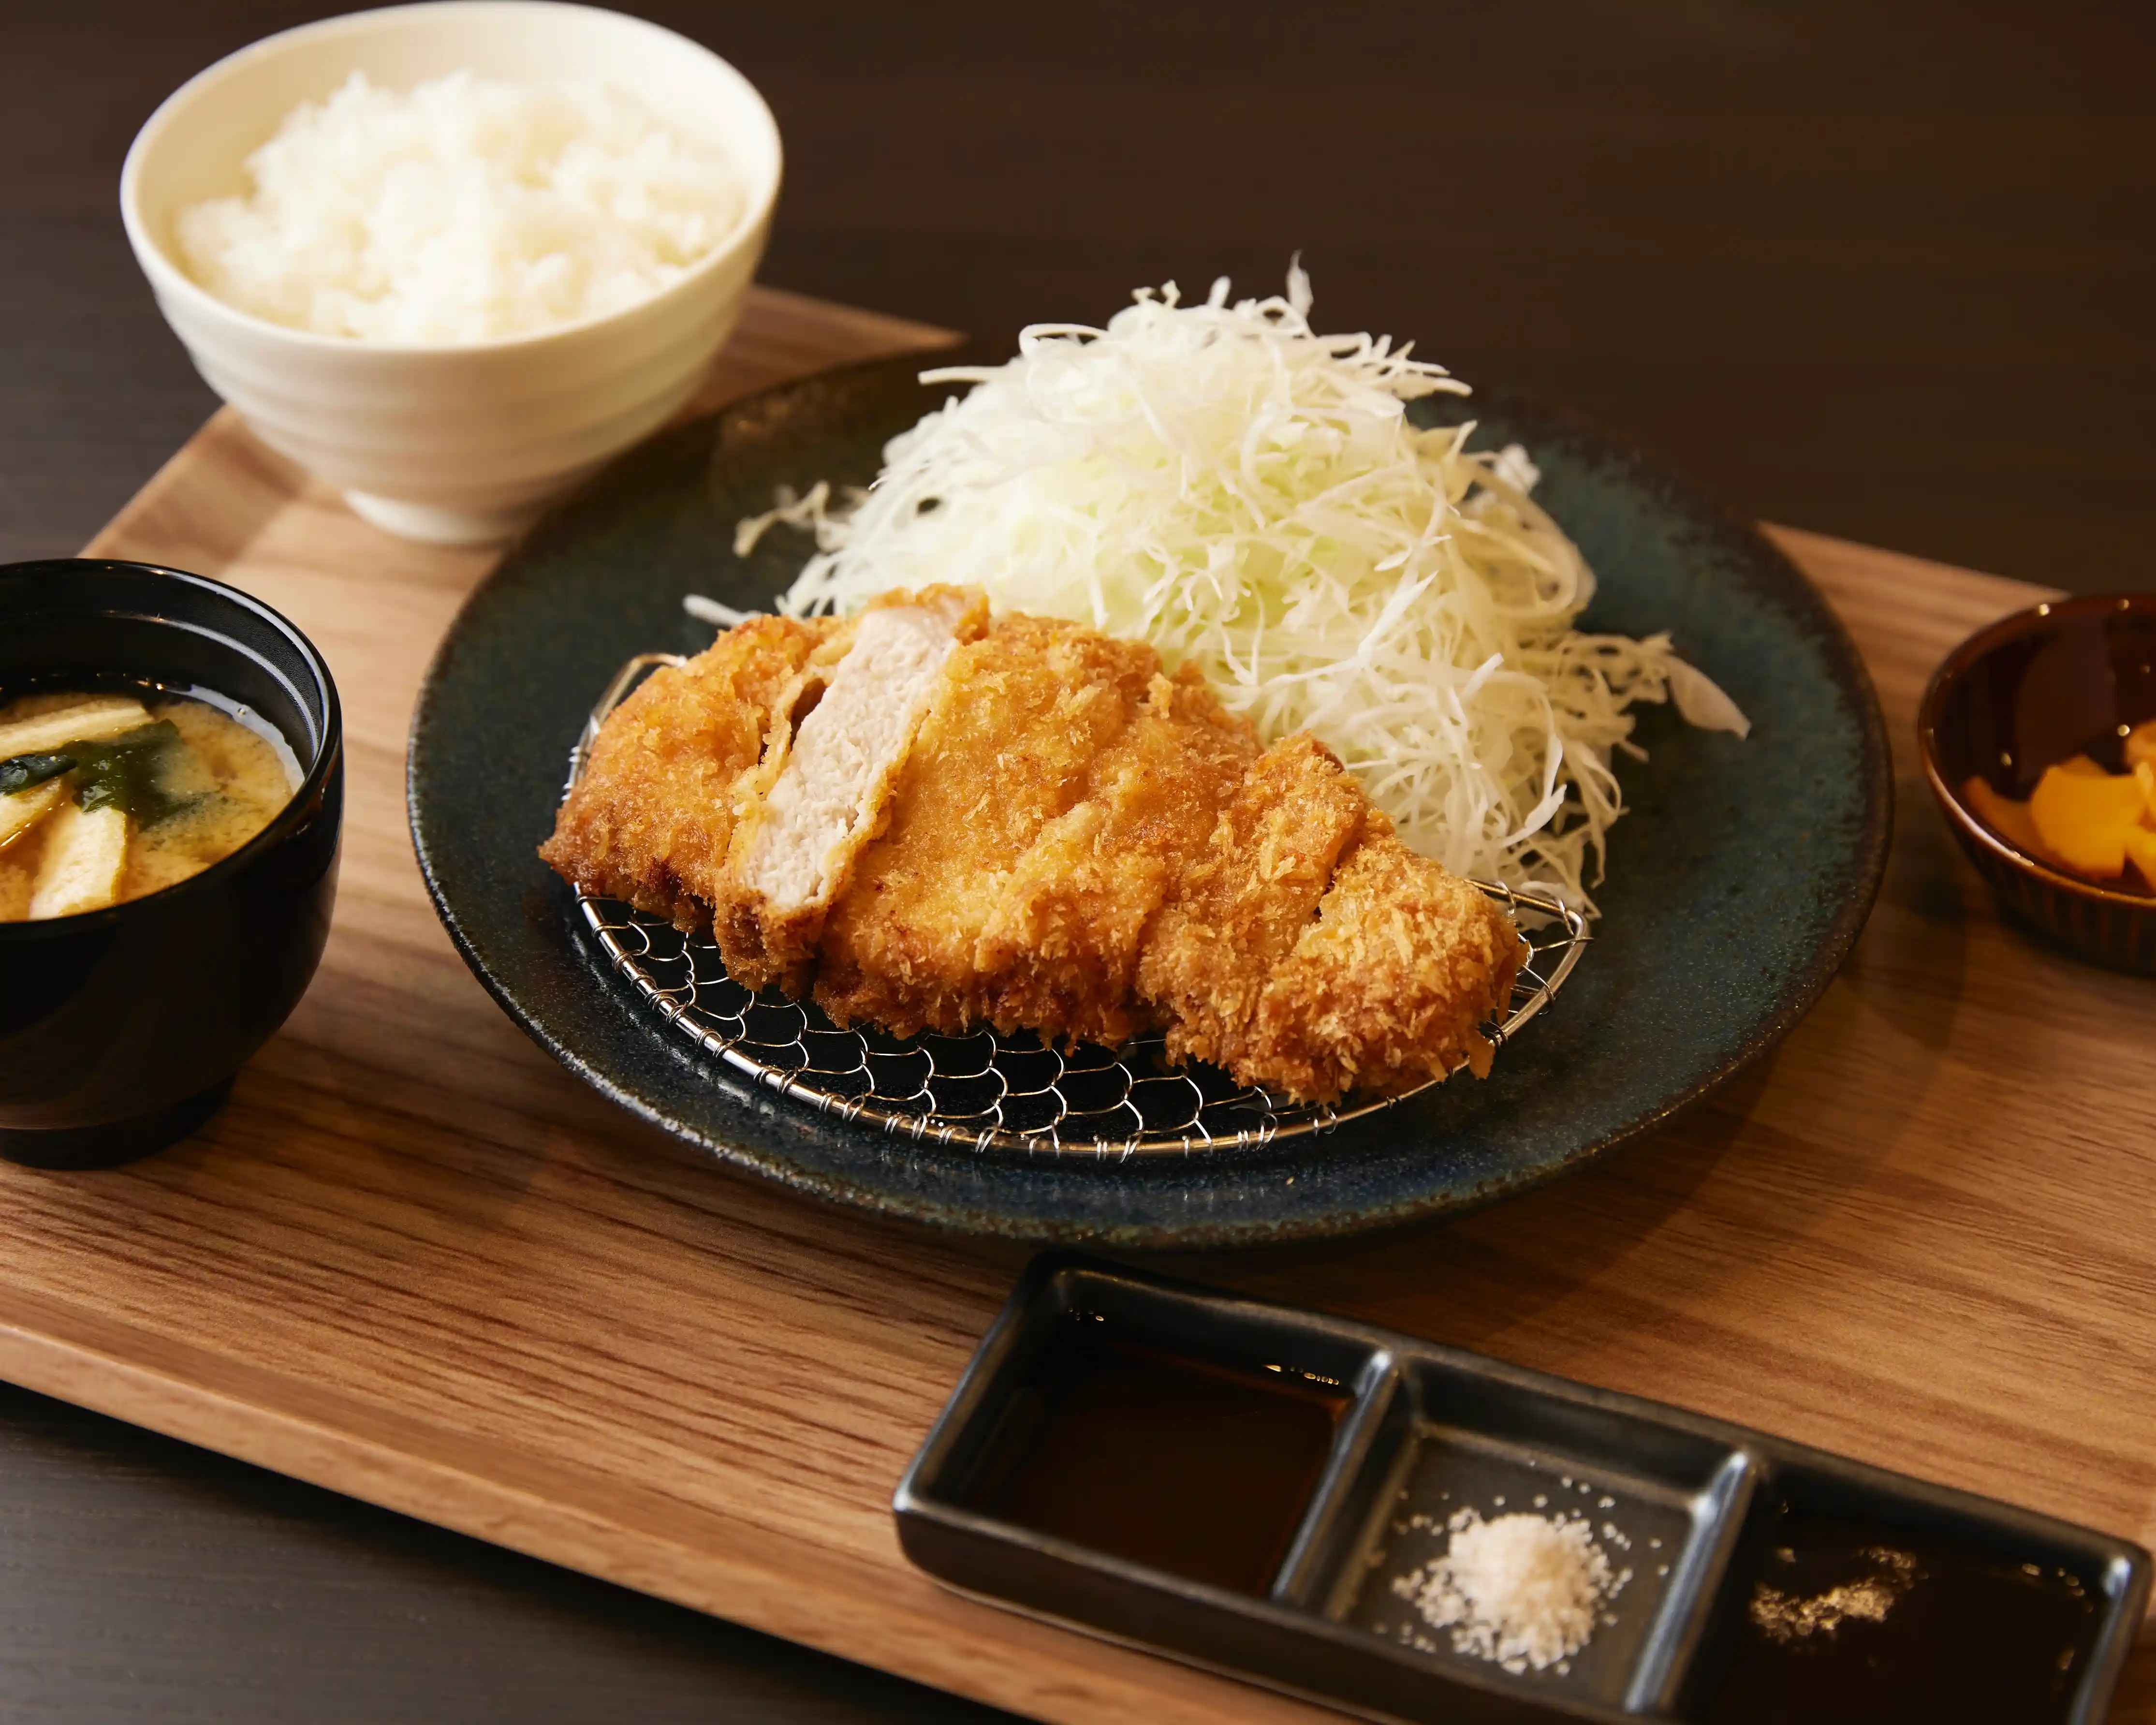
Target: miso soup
(111,794)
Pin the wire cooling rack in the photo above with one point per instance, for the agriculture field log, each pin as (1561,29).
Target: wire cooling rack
(987,1092)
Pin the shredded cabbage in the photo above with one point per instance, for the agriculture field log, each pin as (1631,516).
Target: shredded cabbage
(1248,494)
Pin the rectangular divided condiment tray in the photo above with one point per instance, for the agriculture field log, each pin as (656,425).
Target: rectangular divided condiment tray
(1418,1532)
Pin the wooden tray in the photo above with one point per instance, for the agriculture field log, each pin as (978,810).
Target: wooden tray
(415,1261)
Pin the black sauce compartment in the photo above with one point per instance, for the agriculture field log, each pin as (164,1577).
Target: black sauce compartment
(1868,1599)
(1329,1508)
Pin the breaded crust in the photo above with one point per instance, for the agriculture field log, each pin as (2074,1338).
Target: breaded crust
(1247,899)
(1067,840)
(1060,949)
(652,819)
(1003,750)
(1389,986)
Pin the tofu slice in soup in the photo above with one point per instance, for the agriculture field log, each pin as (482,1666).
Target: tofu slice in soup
(91,720)
(23,809)
(86,853)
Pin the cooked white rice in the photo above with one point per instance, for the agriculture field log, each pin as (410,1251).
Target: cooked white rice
(460,210)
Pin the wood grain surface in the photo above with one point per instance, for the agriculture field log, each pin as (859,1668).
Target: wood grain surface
(414,1261)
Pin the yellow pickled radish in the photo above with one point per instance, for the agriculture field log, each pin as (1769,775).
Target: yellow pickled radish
(2008,818)
(2084,817)
(2141,848)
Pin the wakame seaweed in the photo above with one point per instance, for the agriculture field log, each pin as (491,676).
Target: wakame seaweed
(124,773)
(19,773)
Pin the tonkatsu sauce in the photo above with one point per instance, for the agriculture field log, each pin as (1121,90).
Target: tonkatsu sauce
(1183,1464)
(1956,1632)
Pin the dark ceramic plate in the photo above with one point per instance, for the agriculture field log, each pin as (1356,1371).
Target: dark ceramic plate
(1736,886)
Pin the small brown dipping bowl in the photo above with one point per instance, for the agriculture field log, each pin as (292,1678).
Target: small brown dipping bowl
(2068,677)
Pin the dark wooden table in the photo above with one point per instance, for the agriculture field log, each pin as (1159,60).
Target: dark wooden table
(1883,270)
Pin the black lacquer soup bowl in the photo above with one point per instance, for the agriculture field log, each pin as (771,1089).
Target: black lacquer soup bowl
(121,1029)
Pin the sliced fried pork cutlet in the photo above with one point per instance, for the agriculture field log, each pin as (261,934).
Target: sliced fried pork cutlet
(1389,987)
(931,821)
(1059,952)
(1018,719)
(1252,893)
(652,819)
(825,787)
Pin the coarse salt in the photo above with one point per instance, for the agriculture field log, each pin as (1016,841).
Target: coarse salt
(1524,1590)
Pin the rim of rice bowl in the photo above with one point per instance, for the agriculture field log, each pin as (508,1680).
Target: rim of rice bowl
(760,192)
